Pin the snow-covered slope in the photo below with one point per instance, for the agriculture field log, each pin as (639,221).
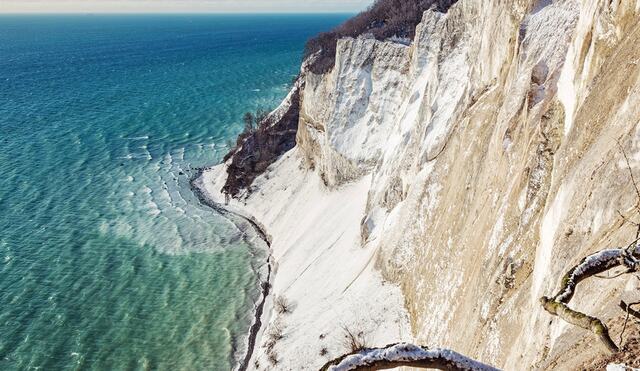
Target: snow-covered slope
(321,269)
(472,169)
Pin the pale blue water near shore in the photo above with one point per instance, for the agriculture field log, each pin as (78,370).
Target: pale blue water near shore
(107,260)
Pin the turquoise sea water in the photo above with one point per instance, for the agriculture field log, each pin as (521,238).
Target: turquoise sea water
(107,260)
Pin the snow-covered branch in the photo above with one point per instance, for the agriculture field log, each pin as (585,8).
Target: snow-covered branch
(592,265)
(404,354)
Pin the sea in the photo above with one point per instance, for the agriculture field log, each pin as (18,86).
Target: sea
(107,259)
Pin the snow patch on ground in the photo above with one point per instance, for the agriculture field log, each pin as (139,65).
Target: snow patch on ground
(548,230)
(320,266)
(566,91)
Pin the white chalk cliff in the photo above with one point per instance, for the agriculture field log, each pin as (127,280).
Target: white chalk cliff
(439,189)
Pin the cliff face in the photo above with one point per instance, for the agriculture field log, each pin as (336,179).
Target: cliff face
(492,144)
(347,114)
(489,152)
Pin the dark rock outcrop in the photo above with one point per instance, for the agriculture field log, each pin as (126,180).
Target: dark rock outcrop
(257,149)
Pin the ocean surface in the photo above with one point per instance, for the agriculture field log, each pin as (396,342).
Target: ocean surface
(107,260)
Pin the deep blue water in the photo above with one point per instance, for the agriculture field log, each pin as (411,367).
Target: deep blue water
(107,261)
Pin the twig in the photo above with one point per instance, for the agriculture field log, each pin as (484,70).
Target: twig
(627,220)
(627,308)
(624,327)
(633,179)
(615,276)
(633,243)
(635,185)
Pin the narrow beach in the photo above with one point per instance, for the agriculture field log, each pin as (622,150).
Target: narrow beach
(241,222)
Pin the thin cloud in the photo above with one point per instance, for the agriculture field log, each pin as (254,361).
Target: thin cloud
(172,6)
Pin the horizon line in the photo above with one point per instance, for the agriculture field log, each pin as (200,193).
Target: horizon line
(174,12)
(181,7)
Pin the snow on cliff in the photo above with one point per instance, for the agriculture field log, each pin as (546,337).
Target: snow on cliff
(437,190)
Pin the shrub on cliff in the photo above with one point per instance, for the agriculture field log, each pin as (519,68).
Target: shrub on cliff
(253,123)
(283,305)
(384,19)
(262,141)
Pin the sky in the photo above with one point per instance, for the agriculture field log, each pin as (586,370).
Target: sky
(182,6)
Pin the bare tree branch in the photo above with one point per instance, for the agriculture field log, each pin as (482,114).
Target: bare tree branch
(581,320)
(602,261)
(404,354)
(592,265)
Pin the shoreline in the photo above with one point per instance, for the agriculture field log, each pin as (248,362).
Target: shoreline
(265,286)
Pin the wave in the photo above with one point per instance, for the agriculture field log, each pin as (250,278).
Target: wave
(134,157)
(168,159)
(180,154)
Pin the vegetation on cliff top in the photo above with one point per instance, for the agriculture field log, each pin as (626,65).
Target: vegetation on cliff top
(384,19)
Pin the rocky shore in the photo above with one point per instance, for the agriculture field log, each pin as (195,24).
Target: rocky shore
(241,221)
